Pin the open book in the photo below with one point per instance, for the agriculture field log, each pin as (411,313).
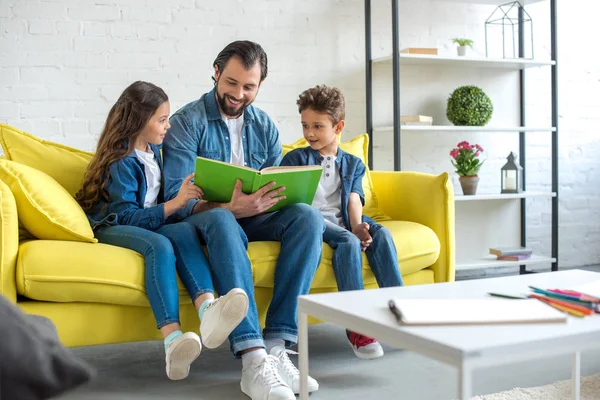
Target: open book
(473,311)
(217,180)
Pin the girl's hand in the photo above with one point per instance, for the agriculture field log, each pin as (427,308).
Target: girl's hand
(187,191)
(362,233)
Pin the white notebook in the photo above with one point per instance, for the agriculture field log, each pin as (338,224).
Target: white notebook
(474,311)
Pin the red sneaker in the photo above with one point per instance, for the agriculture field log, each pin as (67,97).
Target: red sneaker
(364,347)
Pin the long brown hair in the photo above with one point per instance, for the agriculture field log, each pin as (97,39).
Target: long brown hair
(126,120)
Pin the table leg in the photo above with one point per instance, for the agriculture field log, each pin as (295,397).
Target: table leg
(465,381)
(303,354)
(576,376)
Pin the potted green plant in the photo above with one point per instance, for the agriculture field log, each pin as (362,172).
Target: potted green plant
(465,158)
(463,45)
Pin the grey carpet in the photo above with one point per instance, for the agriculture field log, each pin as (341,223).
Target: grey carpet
(135,371)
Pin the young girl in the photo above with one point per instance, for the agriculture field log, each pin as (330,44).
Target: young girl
(340,199)
(122,195)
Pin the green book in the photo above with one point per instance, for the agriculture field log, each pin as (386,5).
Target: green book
(217,180)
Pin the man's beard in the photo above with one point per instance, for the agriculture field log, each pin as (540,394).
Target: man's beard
(229,110)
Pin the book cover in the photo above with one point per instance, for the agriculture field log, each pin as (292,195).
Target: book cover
(516,257)
(217,180)
(420,50)
(510,251)
(416,120)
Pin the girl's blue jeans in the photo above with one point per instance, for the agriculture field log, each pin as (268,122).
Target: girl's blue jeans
(347,257)
(170,250)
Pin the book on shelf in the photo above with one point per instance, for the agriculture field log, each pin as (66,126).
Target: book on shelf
(433,51)
(416,120)
(217,180)
(472,311)
(511,251)
(516,257)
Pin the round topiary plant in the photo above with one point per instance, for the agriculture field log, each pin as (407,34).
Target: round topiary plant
(469,106)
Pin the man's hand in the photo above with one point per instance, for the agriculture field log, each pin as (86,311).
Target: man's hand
(248,205)
(362,233)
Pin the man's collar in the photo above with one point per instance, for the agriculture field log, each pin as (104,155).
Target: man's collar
(212,108)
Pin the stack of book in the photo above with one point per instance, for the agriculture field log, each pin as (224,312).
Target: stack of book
(511,253)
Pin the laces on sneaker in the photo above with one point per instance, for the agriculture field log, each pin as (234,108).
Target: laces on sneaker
(287,364)
(268,371)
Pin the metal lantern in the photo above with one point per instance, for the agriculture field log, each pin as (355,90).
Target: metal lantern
(512,175)
(514,23)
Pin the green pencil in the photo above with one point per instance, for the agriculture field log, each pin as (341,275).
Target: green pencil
(507,296)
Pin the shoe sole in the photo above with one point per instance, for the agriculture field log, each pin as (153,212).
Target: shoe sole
(182,356)
(246,391)
(233,311)
(367,356)
(311,389)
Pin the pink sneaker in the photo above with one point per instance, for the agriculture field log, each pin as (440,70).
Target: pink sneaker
(364,347)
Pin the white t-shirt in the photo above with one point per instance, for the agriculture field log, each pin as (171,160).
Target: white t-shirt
(328,199)
(152,171)
(235,126)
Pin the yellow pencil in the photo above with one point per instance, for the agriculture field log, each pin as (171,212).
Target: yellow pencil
(570,311)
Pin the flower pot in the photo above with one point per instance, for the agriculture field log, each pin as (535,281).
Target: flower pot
(469,184)
(462,50)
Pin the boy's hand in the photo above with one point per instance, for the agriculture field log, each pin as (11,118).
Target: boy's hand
(362,233)
(248,205)
(187,191)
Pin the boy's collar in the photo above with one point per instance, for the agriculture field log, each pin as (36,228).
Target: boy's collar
(318,156)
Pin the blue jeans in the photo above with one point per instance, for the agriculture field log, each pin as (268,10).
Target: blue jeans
(299,228)
(347,257)
(170,250)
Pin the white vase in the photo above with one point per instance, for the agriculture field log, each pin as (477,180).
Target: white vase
(462,50)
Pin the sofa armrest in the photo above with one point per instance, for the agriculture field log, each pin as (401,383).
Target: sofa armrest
(426,199)
(9,243)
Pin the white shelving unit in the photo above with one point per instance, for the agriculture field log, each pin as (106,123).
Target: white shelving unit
(502,225)
(467,62)
(452,128)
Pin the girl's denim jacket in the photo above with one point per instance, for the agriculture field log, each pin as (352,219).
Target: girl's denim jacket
(126,190)
(352,170)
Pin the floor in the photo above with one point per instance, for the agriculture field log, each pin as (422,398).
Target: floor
(135,371)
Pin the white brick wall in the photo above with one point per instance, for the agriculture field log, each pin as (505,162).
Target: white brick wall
(63,63)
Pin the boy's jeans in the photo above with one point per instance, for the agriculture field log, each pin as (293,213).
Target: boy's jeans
(347,257)
(299,228)
(170,250)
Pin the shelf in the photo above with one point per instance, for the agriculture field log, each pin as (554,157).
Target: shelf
(500,196)
(452,128)
(474,62)
(492,262)
(489,2)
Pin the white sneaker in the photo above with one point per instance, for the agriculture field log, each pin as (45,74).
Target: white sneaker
(180,354)
(288,371)
(222,316)
(260,381)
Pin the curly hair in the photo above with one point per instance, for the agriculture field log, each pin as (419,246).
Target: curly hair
(126,120)
(324,99)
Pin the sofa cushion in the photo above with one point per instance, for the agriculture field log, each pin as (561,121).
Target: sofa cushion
(10,242)
(359,147)
(417,245)
(61,271)
(65,164)
(45,208)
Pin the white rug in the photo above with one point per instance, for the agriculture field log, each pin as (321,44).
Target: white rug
(561,390)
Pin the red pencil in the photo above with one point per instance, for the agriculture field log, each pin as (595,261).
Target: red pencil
(571,306)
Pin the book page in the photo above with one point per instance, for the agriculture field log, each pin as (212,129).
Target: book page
(278,169)
(476,311)
(229,164)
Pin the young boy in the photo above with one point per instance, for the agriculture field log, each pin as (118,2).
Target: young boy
(340,199)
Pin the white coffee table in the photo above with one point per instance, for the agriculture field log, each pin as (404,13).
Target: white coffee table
(466,347)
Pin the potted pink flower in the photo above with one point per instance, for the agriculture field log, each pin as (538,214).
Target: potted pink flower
(465,158)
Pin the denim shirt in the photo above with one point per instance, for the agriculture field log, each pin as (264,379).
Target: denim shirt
(126,189)
(197,129)
(351,170)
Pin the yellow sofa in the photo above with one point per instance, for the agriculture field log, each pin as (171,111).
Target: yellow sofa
(94,293)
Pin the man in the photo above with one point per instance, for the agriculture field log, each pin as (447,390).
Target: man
(223,125)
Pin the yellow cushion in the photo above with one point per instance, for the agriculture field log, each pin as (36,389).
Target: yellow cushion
(61,271)
(359,147)
(65,164)
(10,242)
(417,245)
(45,208)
